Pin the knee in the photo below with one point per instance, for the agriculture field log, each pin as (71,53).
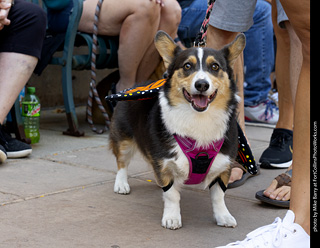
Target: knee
(170,17)
(148,10)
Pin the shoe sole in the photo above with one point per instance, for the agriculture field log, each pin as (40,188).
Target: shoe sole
(283,204)
(19,154)
(259,124)
(3,156)
(275,166)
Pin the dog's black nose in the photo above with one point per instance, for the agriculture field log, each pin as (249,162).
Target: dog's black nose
(202,85)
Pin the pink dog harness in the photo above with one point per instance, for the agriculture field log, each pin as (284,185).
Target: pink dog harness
(200,158)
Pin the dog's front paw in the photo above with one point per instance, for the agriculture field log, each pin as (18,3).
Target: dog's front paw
(121,188)
(171,221)
(226,220)
(121,185)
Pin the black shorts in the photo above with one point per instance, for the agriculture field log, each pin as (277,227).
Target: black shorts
(27,29)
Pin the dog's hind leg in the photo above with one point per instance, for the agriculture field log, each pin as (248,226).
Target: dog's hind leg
(220,211)
(123,150)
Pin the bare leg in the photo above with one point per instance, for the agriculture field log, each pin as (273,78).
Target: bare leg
(299,16)
(282,72)
(169,22)
(131,54)
(288,62)
(13,78)
(136,22)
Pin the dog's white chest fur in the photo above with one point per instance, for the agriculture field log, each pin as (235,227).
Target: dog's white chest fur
(203,127)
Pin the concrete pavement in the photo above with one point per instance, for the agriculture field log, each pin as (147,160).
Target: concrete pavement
(62,196)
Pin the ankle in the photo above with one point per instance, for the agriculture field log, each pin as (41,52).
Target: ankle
(303,219)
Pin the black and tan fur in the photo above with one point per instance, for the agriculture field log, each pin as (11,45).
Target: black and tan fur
(199,101)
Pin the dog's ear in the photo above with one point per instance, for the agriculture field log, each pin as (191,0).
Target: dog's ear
(234,49)
(166,47)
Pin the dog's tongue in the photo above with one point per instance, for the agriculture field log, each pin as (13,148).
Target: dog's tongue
(200,100)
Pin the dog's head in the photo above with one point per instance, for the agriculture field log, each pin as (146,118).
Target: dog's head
(199,76)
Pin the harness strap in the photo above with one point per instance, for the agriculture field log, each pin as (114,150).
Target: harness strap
(93,93)
(166,188)
(222,185)
(218,179)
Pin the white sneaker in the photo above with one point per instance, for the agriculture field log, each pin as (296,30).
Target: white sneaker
(265,112)
(281,234)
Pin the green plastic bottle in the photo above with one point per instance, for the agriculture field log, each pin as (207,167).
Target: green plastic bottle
(31,115)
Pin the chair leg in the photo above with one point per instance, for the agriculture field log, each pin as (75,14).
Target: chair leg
(69,103)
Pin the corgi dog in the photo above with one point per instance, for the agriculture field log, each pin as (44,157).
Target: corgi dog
(188,132)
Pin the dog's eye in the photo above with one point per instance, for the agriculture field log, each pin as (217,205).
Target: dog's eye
(215,67)
(187,66)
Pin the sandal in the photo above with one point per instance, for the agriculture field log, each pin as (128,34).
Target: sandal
(283,179)
(244,177)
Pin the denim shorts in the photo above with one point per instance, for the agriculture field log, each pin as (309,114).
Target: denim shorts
(233,15)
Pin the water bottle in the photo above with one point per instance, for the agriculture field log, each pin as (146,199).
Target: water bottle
(31,115)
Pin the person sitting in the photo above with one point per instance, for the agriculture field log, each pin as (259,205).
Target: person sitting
(136,23)
(22,31)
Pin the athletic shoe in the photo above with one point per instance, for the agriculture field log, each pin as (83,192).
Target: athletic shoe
(265,112)
(279,152)
(3,154)
(13,147)
(281,233)
(274,96)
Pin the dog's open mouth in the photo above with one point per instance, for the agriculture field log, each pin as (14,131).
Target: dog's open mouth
(199,102)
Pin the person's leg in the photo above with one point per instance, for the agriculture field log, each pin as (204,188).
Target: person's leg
(20,47)
(13,78)
(279,152)
(296,225)
(299,16)
(170,17)
(258,56)
(259,63)
(227,19)
(286,120)
(288,62)
(136,22)
(192,17)
(217,39)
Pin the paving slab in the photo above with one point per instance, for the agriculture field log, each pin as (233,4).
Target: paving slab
(97,217)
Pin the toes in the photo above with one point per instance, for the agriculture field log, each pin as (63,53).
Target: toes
(171,223)
(271,188)
(121,188)
(226,220)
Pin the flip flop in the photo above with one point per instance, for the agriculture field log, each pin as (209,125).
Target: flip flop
(244,177)
(282,179)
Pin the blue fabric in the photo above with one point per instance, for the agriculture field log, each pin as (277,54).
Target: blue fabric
(259,56)
(58,20)
(191,19)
